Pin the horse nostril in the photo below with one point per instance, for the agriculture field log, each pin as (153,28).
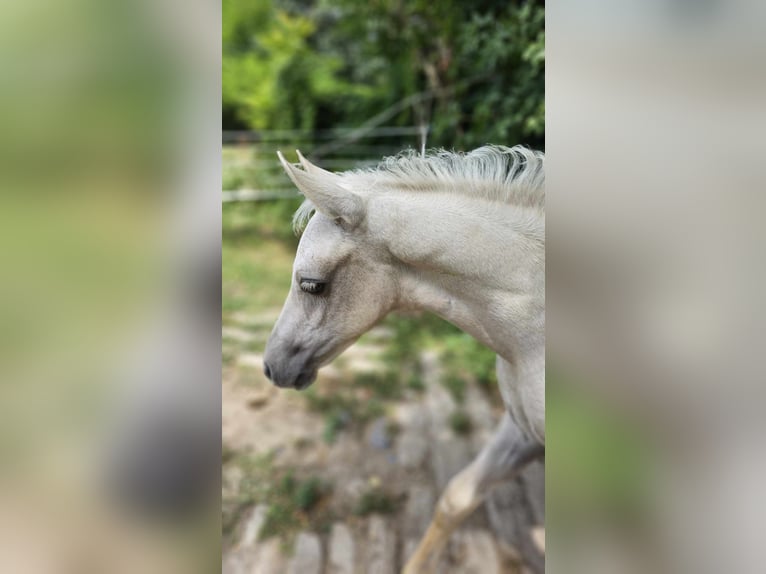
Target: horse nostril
(267,370)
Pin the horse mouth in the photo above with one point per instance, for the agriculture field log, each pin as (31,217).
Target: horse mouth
(304,380)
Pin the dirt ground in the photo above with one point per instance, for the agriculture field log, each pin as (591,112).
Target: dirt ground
(380,474)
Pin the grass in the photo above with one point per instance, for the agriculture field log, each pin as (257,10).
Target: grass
(342,409)
(463,353)
(240,170)
(256,262)
(335,421)
(384,385)
(460,423)
(257,471)
(455,384)
(375,501)
(294,503)
(291,505)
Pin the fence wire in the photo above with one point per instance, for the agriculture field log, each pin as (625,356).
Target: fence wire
(251,171)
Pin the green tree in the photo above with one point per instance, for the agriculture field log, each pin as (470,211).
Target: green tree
(271,77)
(478,67)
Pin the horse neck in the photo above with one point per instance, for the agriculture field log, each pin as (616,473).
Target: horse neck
(478,264)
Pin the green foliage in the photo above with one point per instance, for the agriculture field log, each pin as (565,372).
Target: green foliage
(342,408)
(455,384)
(465,356)
(384,385)
(248,223)
(308,493)
(293,503)
(329,63)
(415,382)
(334,422)
(460,423)
(257,472)
(375,501)
(271,77)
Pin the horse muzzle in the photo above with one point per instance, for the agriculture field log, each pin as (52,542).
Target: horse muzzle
(284,379)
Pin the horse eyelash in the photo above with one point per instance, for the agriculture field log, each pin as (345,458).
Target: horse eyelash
(317,289)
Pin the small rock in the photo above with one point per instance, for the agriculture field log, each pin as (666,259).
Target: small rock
(307,558)
(269,559)
(448,457)
(417,516)
(378,435)
(421,501)
(412,449)
(253,525)
(342,551)
(381,547)
(412,442)
(258,400)
(237,561)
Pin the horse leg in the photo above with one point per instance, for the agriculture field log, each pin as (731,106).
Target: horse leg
(503,456)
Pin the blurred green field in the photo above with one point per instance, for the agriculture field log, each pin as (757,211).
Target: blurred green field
(258,247)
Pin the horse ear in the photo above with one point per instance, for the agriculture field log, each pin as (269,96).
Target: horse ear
(324,190)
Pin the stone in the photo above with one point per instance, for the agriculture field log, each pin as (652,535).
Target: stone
(418,512)
(412,441)
(448,457)
(342,552)
(253,526)
(238,561)
(412,449)
(269,558)
(307,555)
(381,547)
(265,558)
(378,434)
(260,399)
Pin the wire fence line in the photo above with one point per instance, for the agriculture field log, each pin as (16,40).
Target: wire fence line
(253,136)
(251,171)
(258,195)
(321,145)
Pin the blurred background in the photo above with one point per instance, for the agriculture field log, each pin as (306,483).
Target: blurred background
(344,476)
(655,433)
(110,284)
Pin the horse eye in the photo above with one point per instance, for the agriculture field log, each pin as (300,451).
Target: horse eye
(312,287)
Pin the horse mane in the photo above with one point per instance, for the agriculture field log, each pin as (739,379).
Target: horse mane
(512,175)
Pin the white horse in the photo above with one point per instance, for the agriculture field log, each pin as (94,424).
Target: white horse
(460,235)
